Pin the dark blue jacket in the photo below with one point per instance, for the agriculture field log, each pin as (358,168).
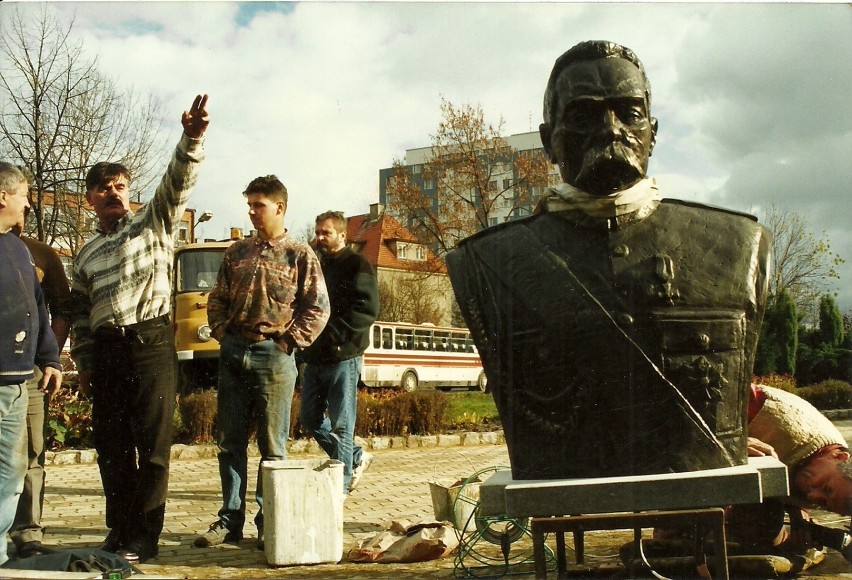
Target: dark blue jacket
(25,335)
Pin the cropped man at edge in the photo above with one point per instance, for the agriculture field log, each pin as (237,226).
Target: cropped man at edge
(334,361)
(27,532)
(123,339)
(26,341)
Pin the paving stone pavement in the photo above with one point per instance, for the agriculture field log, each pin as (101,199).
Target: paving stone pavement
(395,487)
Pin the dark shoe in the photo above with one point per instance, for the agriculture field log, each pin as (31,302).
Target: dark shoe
(113,542)
(34,548)
(217,534)
(138,552)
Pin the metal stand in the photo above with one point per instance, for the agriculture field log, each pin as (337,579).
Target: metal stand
(712,520)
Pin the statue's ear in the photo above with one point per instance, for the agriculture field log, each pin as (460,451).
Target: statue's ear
(654,126)
(544,131)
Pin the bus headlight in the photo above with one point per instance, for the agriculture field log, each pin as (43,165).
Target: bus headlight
(203,333)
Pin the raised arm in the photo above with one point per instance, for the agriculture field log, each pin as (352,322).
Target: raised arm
(195,120)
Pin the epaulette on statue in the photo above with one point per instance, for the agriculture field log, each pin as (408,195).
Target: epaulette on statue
(491,230)
(686,203)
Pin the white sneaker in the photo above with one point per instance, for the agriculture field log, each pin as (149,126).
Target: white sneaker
(358,472)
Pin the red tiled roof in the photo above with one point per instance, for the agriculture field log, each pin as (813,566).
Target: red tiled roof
(374,236)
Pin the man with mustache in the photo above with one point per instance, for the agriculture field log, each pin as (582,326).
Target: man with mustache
(124,341)
(613,319)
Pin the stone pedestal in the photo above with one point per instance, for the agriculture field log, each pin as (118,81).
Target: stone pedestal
(760,478)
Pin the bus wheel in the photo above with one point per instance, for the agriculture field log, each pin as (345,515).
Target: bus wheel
(482,382)
(408,382)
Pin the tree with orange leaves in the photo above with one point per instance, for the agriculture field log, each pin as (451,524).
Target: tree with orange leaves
(476,179)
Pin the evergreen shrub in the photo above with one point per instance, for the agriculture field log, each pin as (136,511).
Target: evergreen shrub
(829,394)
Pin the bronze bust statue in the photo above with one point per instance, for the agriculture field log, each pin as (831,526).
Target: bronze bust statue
(617,328)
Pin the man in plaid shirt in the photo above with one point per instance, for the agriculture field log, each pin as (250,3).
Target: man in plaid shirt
(123,339)
(269,299)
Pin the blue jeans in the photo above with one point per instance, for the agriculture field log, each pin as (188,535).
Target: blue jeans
(13,455)
(27,526)
(255,379)
(333,388)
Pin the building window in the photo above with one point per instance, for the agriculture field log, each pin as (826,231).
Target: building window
(416,169)
(411,252)
(506,184)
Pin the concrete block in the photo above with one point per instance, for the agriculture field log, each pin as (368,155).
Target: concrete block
(66,458)
(297,446)
(469,439)
(489,438)
(303,505)
(449,440)
(379,443)
(88,456)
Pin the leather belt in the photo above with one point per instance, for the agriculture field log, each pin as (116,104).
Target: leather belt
(112,330)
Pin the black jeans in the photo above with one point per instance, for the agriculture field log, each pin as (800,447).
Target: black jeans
(133,395)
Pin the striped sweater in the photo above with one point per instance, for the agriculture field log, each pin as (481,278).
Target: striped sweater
(124,277)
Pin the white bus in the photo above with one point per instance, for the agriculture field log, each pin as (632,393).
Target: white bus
(421,355)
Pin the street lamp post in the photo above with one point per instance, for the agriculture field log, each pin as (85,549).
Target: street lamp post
(205,217)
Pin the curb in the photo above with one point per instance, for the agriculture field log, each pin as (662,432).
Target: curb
(300,446)
(838,414)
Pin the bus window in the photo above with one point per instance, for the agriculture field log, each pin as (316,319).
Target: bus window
(468,344)
(457,342)
(377,337)
(422,340)
(387,339)
(404,339)
(442,341)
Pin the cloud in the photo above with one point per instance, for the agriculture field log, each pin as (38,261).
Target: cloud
(751,98)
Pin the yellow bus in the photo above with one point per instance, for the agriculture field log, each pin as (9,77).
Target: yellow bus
(195,270)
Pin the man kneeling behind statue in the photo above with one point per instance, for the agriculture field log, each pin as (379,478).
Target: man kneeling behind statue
(816,454)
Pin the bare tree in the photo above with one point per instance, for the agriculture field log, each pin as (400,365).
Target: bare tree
(59,115)
(410,298)
(472,178)
(803,264)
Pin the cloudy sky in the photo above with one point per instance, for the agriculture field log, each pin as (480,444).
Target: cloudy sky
(753,100)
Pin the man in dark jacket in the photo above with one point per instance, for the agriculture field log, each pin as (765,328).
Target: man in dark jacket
(27,531)
(26,341)
(330,381)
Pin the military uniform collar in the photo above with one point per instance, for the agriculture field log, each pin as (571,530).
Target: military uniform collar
(615,210)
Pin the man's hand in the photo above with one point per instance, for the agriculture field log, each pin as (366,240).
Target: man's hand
(757,448)
(195,120)
(51,379)
(84,385)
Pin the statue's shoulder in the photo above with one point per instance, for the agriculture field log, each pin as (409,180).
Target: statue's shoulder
(667,201)
(501,230)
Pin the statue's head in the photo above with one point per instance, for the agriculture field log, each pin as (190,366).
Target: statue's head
(597,117)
